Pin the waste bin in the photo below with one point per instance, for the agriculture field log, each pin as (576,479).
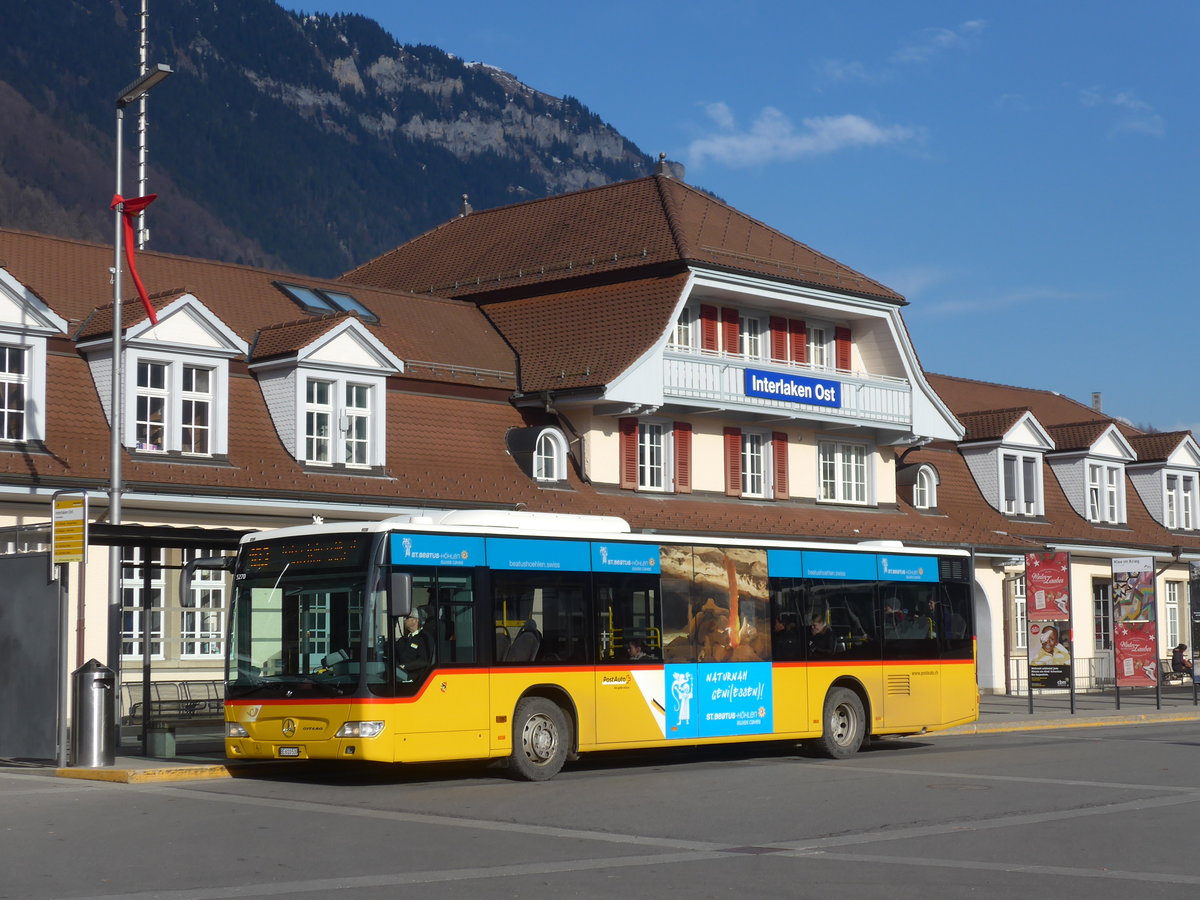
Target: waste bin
(92,715)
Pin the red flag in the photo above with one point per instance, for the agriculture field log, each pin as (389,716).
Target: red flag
(129,211)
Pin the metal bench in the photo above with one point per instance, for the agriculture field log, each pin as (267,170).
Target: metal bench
(200,703)
(1167,675)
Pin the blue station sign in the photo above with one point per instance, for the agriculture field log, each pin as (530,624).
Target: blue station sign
(790,388)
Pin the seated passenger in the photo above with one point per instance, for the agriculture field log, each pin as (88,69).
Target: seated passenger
(635,650)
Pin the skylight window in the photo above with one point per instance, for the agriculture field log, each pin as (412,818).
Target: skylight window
(321,301)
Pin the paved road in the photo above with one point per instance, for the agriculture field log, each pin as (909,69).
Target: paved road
(1106,812)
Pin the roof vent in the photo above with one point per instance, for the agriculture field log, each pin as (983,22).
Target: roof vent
(465,209)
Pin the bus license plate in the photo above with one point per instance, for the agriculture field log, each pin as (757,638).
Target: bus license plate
(289,751)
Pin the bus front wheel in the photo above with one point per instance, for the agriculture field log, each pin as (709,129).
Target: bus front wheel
(843,724)
(540,739)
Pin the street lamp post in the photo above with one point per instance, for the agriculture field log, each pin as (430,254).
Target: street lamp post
(135,90)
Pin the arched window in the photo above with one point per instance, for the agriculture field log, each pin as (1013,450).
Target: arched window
(550,456)
(925,488)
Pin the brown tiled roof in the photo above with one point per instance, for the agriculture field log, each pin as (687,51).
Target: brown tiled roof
(291,337)
(1078,435)
(965,395)
(1157,447)
(651,221)
(586,337)
(960,500)
(72,277)
(990,425)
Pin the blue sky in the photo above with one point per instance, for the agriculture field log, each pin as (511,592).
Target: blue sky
(1024,173)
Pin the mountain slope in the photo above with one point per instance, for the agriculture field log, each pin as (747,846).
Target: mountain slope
(308,143)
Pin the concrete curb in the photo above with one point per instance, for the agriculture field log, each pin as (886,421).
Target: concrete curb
(1069,722)
(142,776)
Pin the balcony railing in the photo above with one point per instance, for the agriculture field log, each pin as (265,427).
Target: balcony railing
(713,379)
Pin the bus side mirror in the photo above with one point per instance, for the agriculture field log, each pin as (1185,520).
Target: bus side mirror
(204,563)
(400,595)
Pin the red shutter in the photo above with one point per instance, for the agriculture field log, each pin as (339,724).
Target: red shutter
(708,328)
(779,329)
(733,462)
(683,458)
(841,337)
(628,428)
(730,330)
(798,338)
(779,459)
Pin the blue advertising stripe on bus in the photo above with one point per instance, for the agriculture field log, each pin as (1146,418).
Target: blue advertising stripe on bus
(544,556)
(785,564)
(437,550)
(617,557)
(907,568)
(856,566)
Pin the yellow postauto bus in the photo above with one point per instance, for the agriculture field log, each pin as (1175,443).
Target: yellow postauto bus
(536,637)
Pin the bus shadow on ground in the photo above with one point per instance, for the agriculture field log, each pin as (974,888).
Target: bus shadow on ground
(370,773)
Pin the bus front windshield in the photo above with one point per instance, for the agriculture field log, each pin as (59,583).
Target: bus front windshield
(302,629)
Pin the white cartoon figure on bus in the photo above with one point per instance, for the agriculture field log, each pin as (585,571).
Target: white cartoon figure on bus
(681,692)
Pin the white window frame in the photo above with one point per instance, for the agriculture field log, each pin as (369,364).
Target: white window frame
(1171,600)
(1179,501)
(838,464)
(131,611)
(820,352)
(925,488)
(351,426)
(174,397)
(17,385)
(550,456)
(1025,500)
(151,421)
(753,338)
(683,335)
(756,464)
(1106,492)
(654,454)
(1020,615)
(202,615)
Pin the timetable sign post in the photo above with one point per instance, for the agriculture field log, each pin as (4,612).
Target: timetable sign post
(69,528)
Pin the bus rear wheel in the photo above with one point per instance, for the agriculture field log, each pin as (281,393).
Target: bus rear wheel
(843,724)
(540,739)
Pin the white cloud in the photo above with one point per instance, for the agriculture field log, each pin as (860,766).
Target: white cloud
(840,71)
(1133,115)
(931,42)
(1015,297)
(773,138)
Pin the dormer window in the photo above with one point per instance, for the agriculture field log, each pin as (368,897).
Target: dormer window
(1021,489)
(550,456)
(925,488)
(1106,494)
(1180,502)
(14,386)
(175,404)
(327,395)
(337,421)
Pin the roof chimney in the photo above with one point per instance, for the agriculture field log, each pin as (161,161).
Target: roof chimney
(1096,404)
(465,209)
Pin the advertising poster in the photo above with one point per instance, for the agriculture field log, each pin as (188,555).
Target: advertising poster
(1049,655)
(1135,633)
(1048,587)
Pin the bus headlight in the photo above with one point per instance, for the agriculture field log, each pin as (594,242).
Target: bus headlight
(234,730)
(360,730)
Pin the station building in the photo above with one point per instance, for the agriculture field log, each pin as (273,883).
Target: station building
(640,350)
